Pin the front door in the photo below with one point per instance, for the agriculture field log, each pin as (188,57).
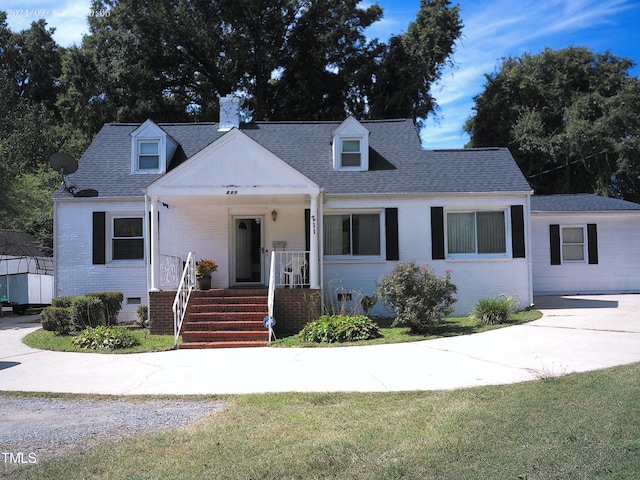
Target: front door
(248,250)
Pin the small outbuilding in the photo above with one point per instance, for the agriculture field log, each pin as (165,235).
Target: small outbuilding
(26,271)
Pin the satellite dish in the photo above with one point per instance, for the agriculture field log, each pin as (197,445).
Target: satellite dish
(63,163)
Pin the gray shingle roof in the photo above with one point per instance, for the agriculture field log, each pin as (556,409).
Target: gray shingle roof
(397,162)
(581,202)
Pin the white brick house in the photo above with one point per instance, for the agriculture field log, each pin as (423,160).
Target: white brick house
(355,197)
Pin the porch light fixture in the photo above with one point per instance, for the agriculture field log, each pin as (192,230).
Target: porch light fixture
(274,215)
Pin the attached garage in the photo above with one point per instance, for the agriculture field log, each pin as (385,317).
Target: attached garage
(585,244)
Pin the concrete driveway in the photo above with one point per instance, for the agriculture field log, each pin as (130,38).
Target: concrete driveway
(575,334)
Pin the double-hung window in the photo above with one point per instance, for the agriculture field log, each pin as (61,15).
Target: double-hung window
(478,232)
(573,243)
(148,155)
(127,239)
(351,154)
(356,234)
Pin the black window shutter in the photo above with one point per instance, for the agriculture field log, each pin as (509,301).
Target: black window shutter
(99,238)
(391,233)
(554,243)
(307,227)
(437,233)
(517,231)
(592,243)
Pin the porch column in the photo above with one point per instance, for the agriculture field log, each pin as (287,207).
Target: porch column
(314,273)
(155,256)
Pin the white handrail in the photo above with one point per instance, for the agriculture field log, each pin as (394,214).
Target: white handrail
(272,288)
(187,284)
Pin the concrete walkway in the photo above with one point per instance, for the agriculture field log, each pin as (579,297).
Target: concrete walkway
(575,334)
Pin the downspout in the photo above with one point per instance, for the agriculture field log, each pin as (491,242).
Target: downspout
(321,245)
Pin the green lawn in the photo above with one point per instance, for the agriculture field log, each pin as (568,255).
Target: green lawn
(45,340)
(581,426)
(450,327)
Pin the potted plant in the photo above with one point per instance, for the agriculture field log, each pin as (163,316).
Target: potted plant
(204,268)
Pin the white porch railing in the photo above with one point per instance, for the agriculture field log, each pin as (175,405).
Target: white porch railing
(291,268)
(170,268)
(187,284)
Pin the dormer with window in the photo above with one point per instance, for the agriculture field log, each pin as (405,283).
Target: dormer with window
(351,146)
(151,149)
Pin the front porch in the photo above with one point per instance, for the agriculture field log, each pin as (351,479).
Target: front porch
(293,307)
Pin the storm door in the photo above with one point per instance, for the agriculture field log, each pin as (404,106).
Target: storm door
(248,250)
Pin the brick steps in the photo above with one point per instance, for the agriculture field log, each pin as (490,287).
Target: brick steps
(197,345)
(229,318)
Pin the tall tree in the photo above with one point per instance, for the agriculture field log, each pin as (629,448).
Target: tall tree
(30,129)
(290,59)
(31,61)
(414,61)
(323,61)
(571,118)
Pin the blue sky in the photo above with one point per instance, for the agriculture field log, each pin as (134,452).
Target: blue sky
(493,29)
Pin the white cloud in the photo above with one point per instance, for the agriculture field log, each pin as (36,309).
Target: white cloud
(495,29)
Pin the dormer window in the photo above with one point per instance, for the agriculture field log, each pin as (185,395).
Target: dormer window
(148,155)
(151,149)
(351,155)
(351,146)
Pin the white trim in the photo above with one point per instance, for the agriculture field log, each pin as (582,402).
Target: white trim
(585,242)
(150,132)
(233,280)
(314,236)
(381,257)
(110,237)
(350,129)
(138,154)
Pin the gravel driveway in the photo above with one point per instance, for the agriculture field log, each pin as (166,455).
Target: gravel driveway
(45,427)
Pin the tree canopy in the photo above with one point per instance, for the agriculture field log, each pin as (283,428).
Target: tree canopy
(289,59)
(571,118)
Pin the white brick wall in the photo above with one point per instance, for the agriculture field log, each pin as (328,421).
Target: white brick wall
(475,278)
(74,272)
(204,227)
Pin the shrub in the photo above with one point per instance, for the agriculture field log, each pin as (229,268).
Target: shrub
(86,312)
(340,328)
(64,302)
(492,311)
(368,302)
(56,319)
(142,315)
(112,304)
(419,298)
(104,338)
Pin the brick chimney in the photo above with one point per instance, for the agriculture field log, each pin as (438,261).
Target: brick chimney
(229,113)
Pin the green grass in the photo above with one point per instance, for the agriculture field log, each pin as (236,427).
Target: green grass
(581,426)
(451,327)
(45,340)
